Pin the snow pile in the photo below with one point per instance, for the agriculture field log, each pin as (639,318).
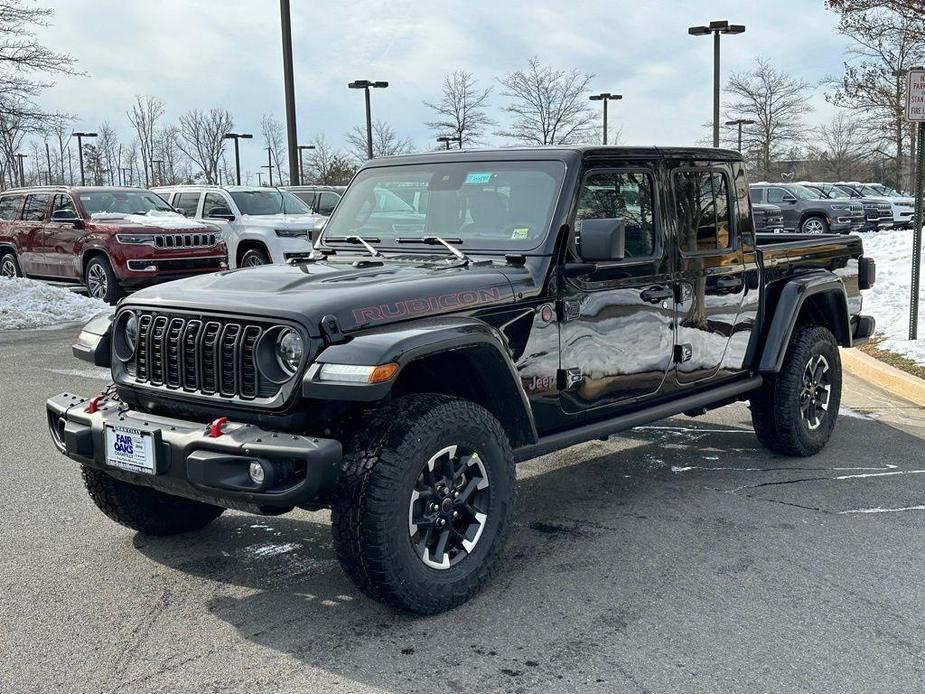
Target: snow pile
(160,219)
(26,304)
(888,301)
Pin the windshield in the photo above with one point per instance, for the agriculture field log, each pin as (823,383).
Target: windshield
(269,201)
(847,192)
(801,193)
(122,202)
(871,190)
(885,190)
(491,205)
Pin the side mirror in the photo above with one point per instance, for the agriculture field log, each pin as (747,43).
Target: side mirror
(66,217)
(602,239)
(221,213)
(790,199)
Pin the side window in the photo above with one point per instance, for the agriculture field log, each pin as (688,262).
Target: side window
(755,194)
(326,203)
(702,200)
(215,204)
(186,203)
(625,194)
(776,195)
(34,211)
(63,206)
(9,206)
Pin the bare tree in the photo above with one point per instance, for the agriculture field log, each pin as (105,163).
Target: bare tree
(108,144)
(461,111)
(777,103)
(202,139)
(386,142)
(13,131)
(175,167)
(842,148)
(273,141)
(548,106)
(143,116)
(328,165)
(887,39)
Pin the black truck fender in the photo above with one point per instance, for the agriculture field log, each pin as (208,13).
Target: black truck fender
(450,342)
(94,343)
(827,294)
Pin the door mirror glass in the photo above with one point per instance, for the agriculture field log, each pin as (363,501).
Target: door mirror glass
(602,239)
(789,198)
(64,216)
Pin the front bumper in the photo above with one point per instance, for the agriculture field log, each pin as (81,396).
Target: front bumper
(192,464)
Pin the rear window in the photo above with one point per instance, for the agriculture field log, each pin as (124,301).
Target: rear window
(9,206)
(702,199)
(187,203)
(34,211)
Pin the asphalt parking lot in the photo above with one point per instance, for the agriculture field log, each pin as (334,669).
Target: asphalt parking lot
(680,557)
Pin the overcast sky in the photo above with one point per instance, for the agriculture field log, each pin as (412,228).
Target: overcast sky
(205,53)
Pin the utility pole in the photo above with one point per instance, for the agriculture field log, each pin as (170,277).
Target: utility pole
(48,160)
(22,170)
(291,130)
(716,28)
(237,155)
(366,85)
(270,164)
(80,152)
(605,97)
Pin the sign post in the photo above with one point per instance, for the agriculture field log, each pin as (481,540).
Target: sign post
(915,113)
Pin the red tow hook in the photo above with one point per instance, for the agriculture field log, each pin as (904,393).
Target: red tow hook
(94,403)
(215,428)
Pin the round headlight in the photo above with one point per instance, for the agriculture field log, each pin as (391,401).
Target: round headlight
(289,350)
(131,331)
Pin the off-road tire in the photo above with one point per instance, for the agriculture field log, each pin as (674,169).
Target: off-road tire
(821,228)
(370,513)
(254,256)
(9,264)
(775,406)
(113,290)
(144,509)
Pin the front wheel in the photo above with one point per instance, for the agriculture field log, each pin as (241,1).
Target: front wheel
(425,502)
(9,267)
(101,281)
(254,257)
(794,412)
(815,225)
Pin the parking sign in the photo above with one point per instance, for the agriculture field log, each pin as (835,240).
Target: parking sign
(915,96)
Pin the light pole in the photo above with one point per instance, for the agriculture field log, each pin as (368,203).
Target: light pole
(22,170)
(447,139)
(301,170)
(740,122)
(366,85)
(157,173)
(605,97)
(237,155)
(269,164)
(260,178)
(291,130)
(80,153)
(716,28)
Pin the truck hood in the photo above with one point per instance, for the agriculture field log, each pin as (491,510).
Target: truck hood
(281,221)
(152,222)
(357,296)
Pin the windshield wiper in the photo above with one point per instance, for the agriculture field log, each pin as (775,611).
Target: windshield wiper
(435,240)
(357,239)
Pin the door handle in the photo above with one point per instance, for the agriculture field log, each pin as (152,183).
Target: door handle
(654,295)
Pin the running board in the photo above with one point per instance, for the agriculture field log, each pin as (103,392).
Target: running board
(554,442)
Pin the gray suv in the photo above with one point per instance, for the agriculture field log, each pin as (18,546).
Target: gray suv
(805,211)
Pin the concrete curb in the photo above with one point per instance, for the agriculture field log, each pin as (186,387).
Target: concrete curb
(888,377)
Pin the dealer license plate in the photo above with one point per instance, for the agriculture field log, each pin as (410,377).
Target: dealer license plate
(130,449)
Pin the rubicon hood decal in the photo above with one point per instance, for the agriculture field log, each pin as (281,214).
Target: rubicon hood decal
(425,305)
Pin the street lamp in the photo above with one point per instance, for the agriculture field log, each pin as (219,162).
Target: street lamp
(447,139)
(22,170)
(366,85)
(301,170)
(269,164)
(237,155)
(291,130)
(740,122)
(605,97)
(716,28)
(80,152)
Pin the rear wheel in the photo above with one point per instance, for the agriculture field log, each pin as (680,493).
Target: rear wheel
(425,502)
(144,509)
(101,281)
(815,225)
(254,256)
(9,266)
(795,411)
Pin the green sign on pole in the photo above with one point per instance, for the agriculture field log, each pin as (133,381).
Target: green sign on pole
(915,113)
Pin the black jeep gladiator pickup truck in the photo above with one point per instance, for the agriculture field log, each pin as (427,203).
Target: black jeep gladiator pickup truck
(462,311)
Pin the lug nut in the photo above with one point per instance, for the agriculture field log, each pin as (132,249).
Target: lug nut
(434,507)
(455,514)
(455,494)
(440,522)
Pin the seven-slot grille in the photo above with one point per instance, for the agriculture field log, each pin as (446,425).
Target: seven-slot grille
(212,356)
(184,240)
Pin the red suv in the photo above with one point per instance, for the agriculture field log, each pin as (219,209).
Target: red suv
(109,239)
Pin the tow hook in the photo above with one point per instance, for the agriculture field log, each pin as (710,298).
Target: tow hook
(94,403)
(215,428)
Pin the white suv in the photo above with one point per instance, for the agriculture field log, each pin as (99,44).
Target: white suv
(260,225)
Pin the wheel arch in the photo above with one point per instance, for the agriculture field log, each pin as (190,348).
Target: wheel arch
(247,243)
(88,254)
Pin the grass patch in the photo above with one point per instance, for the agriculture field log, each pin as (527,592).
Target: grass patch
(872,349)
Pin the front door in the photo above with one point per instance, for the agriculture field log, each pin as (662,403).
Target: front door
(30,233)
(616,340)
(712,278)
(61,239)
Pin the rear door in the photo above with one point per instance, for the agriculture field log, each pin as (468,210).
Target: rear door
(30,232)
(616,336)
(62,238)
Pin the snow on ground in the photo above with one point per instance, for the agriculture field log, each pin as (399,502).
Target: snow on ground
(888,301)
(27,304)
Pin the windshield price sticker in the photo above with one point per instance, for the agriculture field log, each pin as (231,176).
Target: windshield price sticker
(915,96)
(477,178)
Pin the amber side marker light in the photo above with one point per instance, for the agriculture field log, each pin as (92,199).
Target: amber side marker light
(383,372)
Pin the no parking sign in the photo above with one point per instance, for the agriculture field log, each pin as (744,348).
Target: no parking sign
(915,95)
(915,113)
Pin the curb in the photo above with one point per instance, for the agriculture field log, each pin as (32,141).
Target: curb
(888,377)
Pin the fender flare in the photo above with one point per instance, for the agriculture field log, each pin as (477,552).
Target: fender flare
(793,296)
(410,342)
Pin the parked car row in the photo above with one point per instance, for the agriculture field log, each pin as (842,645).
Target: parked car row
(112,239)
(880,202)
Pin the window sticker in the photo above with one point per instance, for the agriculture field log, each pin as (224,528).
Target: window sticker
(520,233)
(478,178)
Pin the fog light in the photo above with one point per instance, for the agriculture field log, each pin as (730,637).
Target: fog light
(256,472)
